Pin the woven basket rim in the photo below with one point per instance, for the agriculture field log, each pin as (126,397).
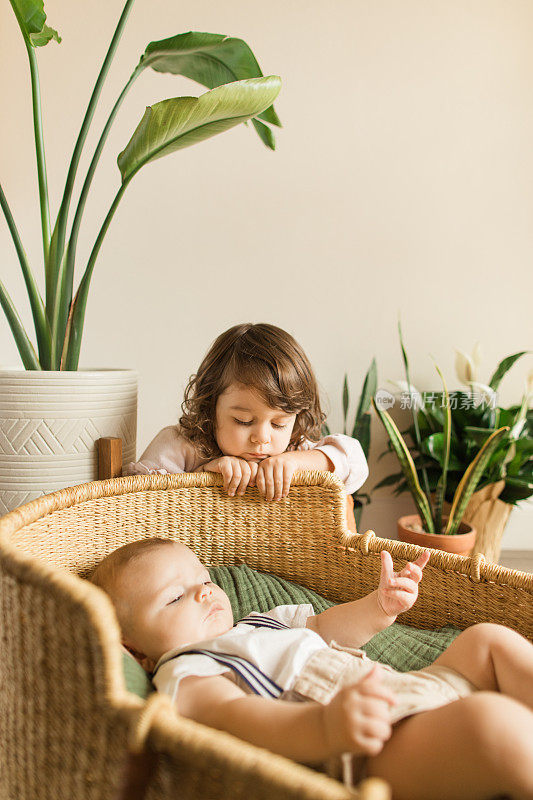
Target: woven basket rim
(475,567)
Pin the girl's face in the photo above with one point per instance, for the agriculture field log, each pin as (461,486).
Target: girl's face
(249,428)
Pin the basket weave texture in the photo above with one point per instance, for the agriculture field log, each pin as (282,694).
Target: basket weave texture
(67,722)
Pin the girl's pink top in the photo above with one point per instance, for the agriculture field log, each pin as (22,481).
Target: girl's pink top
(170,452)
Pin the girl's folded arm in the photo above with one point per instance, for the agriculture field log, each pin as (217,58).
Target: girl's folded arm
(168,452)
(346,457)
(294,730)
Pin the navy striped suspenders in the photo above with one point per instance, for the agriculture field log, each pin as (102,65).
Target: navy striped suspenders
(263,621)
(253,677)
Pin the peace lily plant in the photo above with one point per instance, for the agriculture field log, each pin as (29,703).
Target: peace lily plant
(476,414)
(427,478)
(238,93)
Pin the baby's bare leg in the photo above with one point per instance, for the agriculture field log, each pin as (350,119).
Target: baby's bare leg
(477,747)
(495,658)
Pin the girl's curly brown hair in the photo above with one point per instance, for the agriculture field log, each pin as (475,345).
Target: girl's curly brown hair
(261,357)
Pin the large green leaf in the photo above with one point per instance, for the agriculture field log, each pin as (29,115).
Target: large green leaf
(212,60)
(361,432)
(32,18)
(183,121)
(435,446)
(523,452)
(166,127)
(516,489)
(503,367)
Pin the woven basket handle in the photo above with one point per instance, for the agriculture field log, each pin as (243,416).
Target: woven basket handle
(141,761)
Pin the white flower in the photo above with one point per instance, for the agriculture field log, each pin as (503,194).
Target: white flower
(529,387)
(467,366)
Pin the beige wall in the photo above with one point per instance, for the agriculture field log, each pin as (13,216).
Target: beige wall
(402,183)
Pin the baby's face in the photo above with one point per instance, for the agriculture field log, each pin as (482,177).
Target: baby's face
(171,602)
(247,427)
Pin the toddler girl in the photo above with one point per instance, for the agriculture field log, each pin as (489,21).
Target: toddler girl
(252,413)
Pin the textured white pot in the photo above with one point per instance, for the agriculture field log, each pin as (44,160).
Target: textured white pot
(49,424)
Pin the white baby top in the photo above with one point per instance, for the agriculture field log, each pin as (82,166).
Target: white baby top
(266,651)
(169,452)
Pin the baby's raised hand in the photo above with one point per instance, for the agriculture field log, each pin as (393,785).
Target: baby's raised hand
(236,472)
(397,591)
(357,720)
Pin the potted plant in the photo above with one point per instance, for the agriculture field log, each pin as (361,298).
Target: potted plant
(51,413)
(433,527)
(507,477)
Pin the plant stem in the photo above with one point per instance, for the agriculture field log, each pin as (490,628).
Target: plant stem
(39,148)
(24,346)
(66,276)
(38,133)
(72,344)
(58,239)
(40,322)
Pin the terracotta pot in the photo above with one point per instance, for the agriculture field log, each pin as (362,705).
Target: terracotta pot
(460,543)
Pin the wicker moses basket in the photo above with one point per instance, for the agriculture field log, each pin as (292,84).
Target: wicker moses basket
(69,727)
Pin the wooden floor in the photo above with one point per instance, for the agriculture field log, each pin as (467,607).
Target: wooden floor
(517,559)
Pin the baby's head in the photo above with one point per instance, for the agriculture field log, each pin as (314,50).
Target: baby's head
(252,374)
(163,597)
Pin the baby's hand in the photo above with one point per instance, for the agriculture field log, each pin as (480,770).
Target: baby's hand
(236,472)
(397,591)
(357,720)
(274,475)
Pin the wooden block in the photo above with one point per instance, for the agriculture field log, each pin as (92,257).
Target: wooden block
(109,457)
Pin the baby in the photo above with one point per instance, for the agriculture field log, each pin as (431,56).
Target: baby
(298,684)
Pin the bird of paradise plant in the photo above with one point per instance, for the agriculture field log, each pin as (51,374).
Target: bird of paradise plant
(238,92)
(430,507)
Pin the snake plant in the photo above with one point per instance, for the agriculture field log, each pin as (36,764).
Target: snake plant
(238,92)
(361,426)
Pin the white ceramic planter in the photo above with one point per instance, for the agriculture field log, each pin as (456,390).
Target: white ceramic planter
(49,423)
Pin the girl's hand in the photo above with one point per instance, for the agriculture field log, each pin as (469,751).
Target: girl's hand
(274,475)
(358,718)
(397,591)
(236,472)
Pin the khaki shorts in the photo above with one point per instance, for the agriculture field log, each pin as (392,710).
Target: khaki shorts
(330,669)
